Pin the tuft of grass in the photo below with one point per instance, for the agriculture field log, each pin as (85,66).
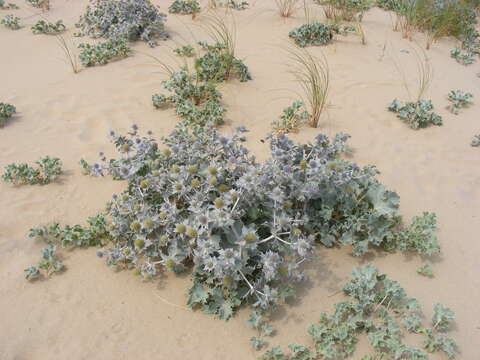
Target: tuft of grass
(70,54)
(286,8)
(424,71)
(314,77)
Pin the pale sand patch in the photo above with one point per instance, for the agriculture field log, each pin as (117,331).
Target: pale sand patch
(91,312)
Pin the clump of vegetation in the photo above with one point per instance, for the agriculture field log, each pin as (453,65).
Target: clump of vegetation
(316,33)
(185,51)
(314,77)
(236,5)
(220,64)
(47,266)
(43,4)
(345,10)
(185,7)
(381,308)
(475,141)
(103,53)
(44,27)
(197,102)
(417,114)
(20,174)
(425,270)
(459,99)
(11,22)
(68,49)
(95,234)
(469,49)
(6,112)
(202,201)
(124,20)
(257,321)
(293,116)
(286,7)
(7,6)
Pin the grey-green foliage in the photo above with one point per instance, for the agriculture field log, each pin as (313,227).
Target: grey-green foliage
(237,5)
(469,49)
(257,321)
(219,64)
(44,27)
(417,114)
(103,52)
(475,141)
(459,99)
(124,20)
(6,112)
(185,51)
(425,270)
(184,7)
(380,308)
(292,117)
(11,22)
(48,265)
(420,236)
(316,33)
(20,174)
(201,202)
(94,234)
(39,3)
(7,6)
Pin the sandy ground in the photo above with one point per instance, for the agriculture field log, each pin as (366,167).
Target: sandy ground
(91,312)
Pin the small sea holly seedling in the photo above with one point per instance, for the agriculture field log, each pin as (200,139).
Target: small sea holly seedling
(459,99)
(293,116)
(417,114)
(44,4)
(20,174)
(185,51)
(185,7)
(425,270)
(257,321)
(6,112)
(47,266)
(475,141)
(236,5)
(11,22)
(316,33)
(103,53)
(43,27)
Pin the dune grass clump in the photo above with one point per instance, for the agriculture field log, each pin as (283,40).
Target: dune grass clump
(6,112)
(313,75)
(380,308)
(417,114)
(103,53)
(21,174)
(185,51)
(200,202)
(316,33)
(48,28)
(459,99)
(11,22)
(292,118)
(129,20)
(345,10)
(286,8)
(69,51)
(185,7)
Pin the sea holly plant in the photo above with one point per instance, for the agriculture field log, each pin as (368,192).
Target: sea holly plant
(103,52)
(292,118)
(44,4)
(44,27)
(200,202)
(459,99)
(6,112)
(11,22)
(475,141)
(47,171)
(185,7)
(425,270)
(48,265)
(417,114)
(185,51)
(257,322)
(129,20)
(95,234)
(380,308)
(316,33)
(236,5)
(7,6)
